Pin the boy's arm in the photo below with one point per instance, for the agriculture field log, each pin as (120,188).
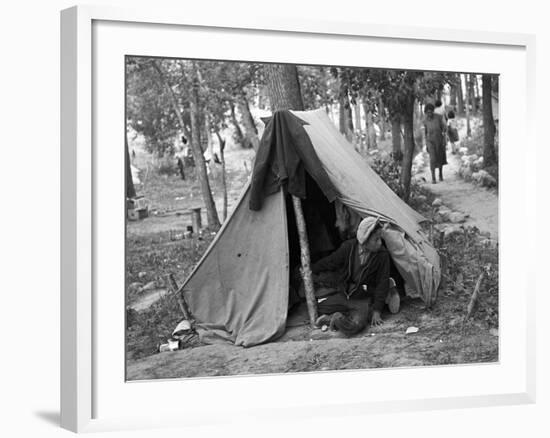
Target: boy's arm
(335,260)
(382,281)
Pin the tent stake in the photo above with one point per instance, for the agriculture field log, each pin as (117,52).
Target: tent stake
(306,268)
(180,298)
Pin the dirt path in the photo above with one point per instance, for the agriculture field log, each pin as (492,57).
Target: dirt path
(480,204)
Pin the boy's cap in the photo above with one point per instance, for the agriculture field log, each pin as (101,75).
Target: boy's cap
(365,228)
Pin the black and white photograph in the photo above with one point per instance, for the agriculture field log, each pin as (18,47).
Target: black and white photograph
(285,218)
(240,219)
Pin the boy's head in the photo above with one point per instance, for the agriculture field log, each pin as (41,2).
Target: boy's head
(369,234)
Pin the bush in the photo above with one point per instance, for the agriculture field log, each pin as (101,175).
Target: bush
(474,143)
(474,147)
(420,198)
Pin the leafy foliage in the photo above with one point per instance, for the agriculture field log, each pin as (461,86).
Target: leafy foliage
(390,171)
(318,87)
(149,108)
(148,112)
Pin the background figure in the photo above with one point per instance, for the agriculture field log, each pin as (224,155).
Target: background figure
(452,131)
(435,129)
(440,109)
(180,168)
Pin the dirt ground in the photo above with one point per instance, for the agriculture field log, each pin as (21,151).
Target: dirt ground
(443,338)
(440,340)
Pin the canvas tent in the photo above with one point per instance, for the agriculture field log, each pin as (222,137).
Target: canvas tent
(239,290)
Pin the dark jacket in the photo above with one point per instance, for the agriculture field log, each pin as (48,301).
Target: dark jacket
(374,274)
(284,156)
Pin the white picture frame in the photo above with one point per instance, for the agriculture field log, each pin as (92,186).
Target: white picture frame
(85,358)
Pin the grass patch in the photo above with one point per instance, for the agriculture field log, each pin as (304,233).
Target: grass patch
(467,255)
(146,263)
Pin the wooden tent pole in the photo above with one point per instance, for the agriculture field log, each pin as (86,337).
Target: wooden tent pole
(306,265)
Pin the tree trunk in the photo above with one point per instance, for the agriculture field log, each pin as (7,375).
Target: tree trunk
(471,94)
(478,91)
(130,189)
(283,87)
(250,130)
(358,128)
(407,118)
(396,138)
(489,155)
(371,133)
(467,106)
(209,144)
(284,90)
(341,116)
(238,132)
(453,96)
(460,97)
(224,182)
(211,213)
(345,116)
(330,112)
(349,121)
(357,111)
(382,119)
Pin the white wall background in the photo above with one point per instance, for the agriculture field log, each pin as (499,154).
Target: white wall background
(29,172)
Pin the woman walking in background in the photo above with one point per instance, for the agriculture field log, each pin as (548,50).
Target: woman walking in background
(435,129)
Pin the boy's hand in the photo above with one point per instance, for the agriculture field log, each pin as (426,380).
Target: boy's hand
(376,319)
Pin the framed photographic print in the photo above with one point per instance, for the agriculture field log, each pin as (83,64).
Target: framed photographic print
(281,209)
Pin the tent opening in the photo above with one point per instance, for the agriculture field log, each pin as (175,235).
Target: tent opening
(323,234)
